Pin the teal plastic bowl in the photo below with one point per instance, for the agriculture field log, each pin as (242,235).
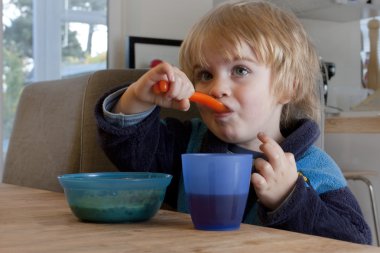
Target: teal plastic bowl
(112,197)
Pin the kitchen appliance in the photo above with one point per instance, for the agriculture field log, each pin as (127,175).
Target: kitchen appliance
(328,71)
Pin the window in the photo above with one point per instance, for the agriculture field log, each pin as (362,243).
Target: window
(45,40)
(75,34)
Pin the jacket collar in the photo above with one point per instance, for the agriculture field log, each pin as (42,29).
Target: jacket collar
(300,138)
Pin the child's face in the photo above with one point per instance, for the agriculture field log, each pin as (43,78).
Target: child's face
(243,85)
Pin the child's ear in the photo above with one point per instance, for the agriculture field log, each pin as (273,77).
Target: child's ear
(286,97)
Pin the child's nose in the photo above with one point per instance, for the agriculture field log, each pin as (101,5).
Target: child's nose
(220,88)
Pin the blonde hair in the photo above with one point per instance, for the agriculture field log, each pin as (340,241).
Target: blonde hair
(278,40)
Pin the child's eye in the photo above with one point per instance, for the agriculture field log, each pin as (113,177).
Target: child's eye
(241,71)
(204,76)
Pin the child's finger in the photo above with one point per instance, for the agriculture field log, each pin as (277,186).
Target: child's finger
(259,182)
(182,105)
(166,70)
(268,142)
(264,168)
(182,87)
(291,159)
(272,151)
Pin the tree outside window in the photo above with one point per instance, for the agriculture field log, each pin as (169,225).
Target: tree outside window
(29,54)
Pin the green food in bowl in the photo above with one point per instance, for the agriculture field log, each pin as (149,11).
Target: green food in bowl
(115,197)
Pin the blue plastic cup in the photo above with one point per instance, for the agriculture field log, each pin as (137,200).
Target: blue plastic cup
(216,187)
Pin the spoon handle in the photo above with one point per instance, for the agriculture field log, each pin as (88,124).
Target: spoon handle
(198,97)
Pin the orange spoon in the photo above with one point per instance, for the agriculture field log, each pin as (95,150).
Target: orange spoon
(197,97)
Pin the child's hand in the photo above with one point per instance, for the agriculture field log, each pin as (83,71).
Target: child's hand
(140,95)
(275,178)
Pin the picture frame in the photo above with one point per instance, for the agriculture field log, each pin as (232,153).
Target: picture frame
(142,51)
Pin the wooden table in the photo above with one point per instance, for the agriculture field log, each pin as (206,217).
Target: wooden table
(33,220)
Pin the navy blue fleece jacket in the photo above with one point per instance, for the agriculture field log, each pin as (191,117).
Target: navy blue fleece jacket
(321,205)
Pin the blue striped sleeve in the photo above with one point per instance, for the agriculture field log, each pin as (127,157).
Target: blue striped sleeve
(120,119)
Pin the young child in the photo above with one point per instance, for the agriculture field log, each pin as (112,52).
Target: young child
(259,62)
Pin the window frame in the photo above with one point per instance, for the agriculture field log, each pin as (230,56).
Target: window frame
(48,17)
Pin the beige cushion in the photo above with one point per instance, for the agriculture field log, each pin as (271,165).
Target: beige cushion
(45,140)
(92,157)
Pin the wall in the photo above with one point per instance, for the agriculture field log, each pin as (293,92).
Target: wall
(170,19)
(340,42)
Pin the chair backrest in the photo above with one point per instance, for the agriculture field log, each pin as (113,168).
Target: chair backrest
(92,157)
(45,140)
